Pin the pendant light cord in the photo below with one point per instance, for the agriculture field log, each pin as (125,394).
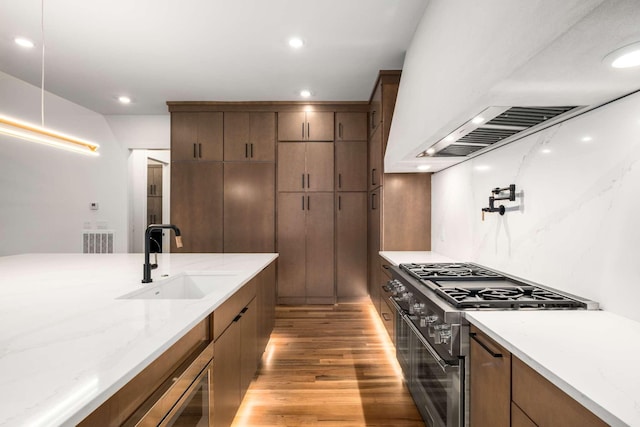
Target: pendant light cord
(42,71)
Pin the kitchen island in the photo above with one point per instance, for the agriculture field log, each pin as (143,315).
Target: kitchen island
(68,342)
(590,355)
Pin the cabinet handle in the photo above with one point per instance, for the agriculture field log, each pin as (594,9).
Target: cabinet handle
(308,181)
(246,150)
(339,180)
(308,203)
(302,130)
(386,317)
(373,119)
(302,180)
(235,319)
(302,202)
(308,131)
(473,335)
(252,150)
(340,130)
(373,201)
(244,310)
(339,203)
(195,152)
(199,150)
(373,176)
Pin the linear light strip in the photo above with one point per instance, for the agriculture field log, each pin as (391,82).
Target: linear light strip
(33,133)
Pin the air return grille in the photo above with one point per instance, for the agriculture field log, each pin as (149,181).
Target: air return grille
(501,123)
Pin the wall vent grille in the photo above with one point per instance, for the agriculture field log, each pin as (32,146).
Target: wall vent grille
(97,241)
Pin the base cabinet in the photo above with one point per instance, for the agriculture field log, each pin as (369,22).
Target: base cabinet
(505,391)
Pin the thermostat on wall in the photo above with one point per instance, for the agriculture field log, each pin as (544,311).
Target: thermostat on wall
(93,206)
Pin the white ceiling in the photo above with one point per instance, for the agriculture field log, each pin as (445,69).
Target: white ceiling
(235,50)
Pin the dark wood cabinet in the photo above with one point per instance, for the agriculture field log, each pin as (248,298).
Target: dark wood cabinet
(489,382)
(351,126)
(266,296)
(305,126)
(306,248)
(154,180)
(248,345)
(351,166)
(374,245)
(196,205)
(196,136)
(249,207)
(351,245)
(305,166)
(249,136)
(374,176)
(227,363)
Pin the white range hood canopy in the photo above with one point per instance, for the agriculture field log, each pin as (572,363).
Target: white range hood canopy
(470,57)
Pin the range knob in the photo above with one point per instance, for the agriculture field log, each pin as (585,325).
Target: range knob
(442,333)
(417,308)
(428,319)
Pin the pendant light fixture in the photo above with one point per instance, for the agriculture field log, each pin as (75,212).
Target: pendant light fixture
(39,134)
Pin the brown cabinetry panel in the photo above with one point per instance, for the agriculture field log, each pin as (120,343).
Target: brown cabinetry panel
(320,246)
(292,172)
(305,126)
(249,207)
(519,418)
(154,210)
(249,136)
(154,180)
(196,136)
(351,166)
(489,382)
(196,205)
(544,403)
(373,244)
(375,108)
(319,166)
(351,245)
(351,127)
(266,296)
(291,245)
(375,159)
(226,368)
(248,346)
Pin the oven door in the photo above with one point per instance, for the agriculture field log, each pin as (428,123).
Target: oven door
(436,386)
(402,339)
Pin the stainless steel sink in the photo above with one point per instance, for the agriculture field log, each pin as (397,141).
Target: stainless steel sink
(183,286)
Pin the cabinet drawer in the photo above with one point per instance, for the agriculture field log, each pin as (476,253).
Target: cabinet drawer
(544,403)
(224,315)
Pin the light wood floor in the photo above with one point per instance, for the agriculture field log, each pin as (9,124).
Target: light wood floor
(328,366)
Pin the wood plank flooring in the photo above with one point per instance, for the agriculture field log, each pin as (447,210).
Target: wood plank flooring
(328,366)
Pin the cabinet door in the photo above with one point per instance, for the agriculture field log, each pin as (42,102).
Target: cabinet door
(226,381)
(375,159)
(210,136)
(154,210)
(319,126)
(375,109)
(351,127)
(196,205)
(249,207)
(266,298)
(291,167)
(249,136)
(154,180)
(351,166)
(351,245)
(248,346)
(292,126)
(291,245)
(320,246)
(489,382)
(373,207)
(319,166)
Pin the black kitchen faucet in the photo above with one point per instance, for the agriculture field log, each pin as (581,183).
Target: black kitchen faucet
(146,273)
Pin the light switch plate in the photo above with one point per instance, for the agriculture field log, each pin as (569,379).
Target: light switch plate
(93,206)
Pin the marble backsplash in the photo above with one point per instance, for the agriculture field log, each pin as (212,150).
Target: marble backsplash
(575,224)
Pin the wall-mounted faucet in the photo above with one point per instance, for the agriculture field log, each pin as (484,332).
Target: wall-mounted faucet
(146,273)
(496,196)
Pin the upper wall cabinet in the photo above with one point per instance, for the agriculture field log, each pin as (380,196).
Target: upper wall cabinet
(305,126)
(249,136)
(196,136)
(351,126)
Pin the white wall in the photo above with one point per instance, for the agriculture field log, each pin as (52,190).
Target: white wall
(142,132)
(45,192)
(577,225)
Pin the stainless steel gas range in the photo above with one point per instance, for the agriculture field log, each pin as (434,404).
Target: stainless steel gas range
(432,335)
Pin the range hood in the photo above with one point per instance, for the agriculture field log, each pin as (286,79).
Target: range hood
(496,126)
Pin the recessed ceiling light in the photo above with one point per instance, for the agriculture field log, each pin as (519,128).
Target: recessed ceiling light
(625,57)
(431,151)
(545,151)
(586,139)
(477,120)
(124,99)
(482,168)
(21,41)
(305,93)
(424,167)
(296,42)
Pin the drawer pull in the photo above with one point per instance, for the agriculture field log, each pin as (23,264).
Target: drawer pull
(473,335)
(386,317)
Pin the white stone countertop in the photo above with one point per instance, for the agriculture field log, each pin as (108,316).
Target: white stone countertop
(593,356)
(67,343)
(402,257)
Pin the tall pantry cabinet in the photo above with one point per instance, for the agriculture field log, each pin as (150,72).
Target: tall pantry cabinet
(399,204)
